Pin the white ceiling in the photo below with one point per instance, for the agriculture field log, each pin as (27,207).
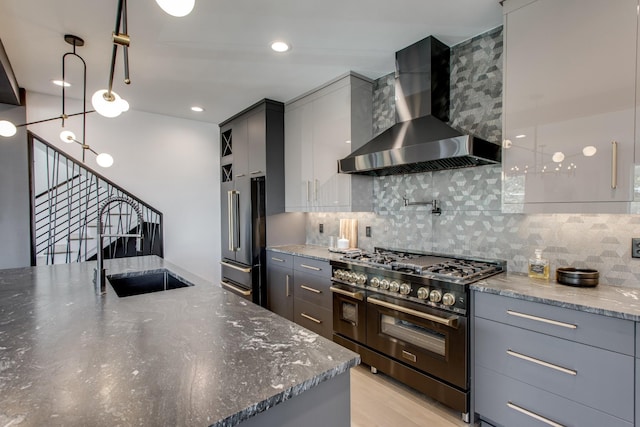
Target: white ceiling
(218,57)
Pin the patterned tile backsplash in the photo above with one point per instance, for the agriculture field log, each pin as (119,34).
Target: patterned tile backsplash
(472,222)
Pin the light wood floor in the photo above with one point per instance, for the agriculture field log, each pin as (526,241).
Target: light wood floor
(380,401)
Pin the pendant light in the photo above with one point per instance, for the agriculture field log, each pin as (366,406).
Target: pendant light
(105,101)
(8,129)
(177,8)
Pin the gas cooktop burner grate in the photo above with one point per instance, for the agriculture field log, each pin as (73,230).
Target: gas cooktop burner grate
(426,265)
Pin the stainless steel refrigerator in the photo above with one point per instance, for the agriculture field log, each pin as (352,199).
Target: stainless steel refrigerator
(243,238)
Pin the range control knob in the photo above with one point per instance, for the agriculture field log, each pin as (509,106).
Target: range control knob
(448,299)
(435,296)
(405,289)
(384,284)
(375,282)
(337,274)
(394,286)
(423,293)
(361,279)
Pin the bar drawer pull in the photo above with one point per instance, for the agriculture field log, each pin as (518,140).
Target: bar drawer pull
(307,288)
(235,267)
(313,319)
(355,295)
(235,289)
(542,319)
(541,362)
(255,172)
(277,259)
(533,415)
(310,267)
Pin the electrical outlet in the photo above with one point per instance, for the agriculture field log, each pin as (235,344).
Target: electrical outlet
(635,247)
(321,228)
(367,231)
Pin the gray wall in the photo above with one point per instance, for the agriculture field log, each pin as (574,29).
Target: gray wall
(472,222)
(14,193)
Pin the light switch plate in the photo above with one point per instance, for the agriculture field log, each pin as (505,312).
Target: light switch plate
(635,247)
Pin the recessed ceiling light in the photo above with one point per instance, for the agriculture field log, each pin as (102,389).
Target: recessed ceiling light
(61,83)
(197,109)
(280,46)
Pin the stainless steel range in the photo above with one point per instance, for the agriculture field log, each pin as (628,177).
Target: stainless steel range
(405,313)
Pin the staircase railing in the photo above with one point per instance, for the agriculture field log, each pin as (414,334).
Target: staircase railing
(64,211)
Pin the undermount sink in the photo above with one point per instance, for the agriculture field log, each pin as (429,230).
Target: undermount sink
(128,284)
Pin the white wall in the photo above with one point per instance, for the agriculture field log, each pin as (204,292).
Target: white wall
(170,163)
(15,222)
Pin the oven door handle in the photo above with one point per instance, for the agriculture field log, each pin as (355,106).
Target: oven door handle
(355,295)
(451,322)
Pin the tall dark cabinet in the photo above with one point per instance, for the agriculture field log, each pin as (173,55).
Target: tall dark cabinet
(252,188)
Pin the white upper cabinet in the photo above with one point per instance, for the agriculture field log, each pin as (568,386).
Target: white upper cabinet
(569,105)
(321,128)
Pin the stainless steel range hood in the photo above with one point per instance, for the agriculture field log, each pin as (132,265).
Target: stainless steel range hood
(421,140)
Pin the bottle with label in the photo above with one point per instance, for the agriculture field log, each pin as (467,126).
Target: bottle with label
(538,266)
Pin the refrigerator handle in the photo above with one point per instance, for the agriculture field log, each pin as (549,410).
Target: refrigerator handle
(230,219)
(236,220)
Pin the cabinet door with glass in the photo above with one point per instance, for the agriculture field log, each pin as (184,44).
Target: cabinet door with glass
(569,105)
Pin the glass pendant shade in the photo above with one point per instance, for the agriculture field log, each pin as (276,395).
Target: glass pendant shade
(124,105)
(105,160)
(67,136)
(177,8)
(7,128)
(105,107)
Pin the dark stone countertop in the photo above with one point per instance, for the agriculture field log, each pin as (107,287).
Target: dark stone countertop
(321,253)
(612,301)
(194,356)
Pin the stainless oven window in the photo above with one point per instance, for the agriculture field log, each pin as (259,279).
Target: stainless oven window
(349,312)
(411,333)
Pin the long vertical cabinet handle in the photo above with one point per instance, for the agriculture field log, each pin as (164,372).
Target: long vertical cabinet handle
(286,284)
(308,184)
(614,164)
(230,218)
(315,190)
(236,221)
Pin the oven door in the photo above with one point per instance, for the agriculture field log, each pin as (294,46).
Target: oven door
(431,340)
(349,312)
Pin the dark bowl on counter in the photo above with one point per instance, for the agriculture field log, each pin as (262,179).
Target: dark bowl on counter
(580,277)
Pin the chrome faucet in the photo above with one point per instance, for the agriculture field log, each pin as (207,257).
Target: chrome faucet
(99,273)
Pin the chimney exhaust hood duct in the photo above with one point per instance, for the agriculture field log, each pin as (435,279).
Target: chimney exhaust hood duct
(421,140)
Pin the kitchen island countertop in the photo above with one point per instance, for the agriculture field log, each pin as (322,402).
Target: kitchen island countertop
(194,356)
(607,300)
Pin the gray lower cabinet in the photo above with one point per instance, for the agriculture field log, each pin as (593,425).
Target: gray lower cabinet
(637,374)
(312,298)
(280,284)
(537,364)
(298,290)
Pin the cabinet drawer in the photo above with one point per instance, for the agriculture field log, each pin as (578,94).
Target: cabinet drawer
(313,289)
(508,402)
(592,329)
(313,317)
(278,259)
(592,376)
(314,266)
